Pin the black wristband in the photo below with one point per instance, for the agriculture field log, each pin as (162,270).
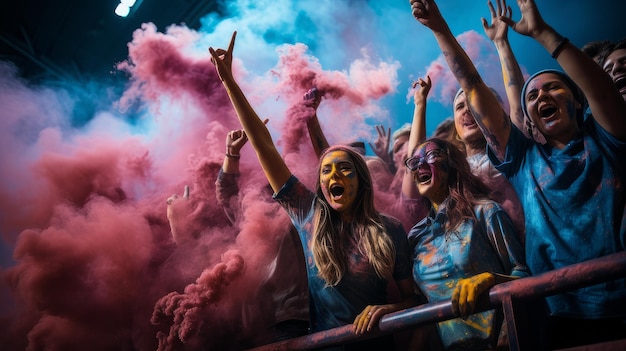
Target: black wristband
(559,47)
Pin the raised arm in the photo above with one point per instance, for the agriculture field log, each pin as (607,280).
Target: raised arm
(491,118)
(512,75)
(312,99)
(273,164)
(606,104)
(235,140)
(418,132)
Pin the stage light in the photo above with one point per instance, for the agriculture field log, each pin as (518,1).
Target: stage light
(122,10)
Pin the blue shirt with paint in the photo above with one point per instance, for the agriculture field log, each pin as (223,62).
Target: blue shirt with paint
(335,306)
(441,258)
(574,206)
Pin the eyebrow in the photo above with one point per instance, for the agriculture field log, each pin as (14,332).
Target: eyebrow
(328,164)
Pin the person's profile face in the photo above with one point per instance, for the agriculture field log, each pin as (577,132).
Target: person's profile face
(339,181)
(615,66)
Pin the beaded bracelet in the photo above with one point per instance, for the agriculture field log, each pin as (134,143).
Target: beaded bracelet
(559,47)
(236,157)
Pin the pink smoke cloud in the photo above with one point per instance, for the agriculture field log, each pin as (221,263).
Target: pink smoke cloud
(84,209)
(484,56)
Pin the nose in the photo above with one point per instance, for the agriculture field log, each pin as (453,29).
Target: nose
(619,66)
(542,94)
(334,172)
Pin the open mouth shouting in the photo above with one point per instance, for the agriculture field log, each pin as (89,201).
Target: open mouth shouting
(336,191)
(424,176)
(546,111)
(620,84)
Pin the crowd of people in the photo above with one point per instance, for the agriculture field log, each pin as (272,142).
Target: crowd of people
(494,194)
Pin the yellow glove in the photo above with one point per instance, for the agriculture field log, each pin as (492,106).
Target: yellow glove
(468,290)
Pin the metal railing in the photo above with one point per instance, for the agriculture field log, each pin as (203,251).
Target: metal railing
(507,295)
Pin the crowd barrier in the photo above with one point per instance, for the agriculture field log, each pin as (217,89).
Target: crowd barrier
(511,296)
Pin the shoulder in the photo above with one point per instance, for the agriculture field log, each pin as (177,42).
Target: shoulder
(487,208)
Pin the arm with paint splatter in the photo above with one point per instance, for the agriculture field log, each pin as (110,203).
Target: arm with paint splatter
(490,117)
(512,75)
(418,132)
(605,101)
(271,161)
(312,99)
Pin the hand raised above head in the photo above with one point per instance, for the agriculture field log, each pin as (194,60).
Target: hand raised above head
(235,140)
(223,59)
(420,95)
(313,97)
(178,215)
(531,24)
(382,142)
(498,29)
(427,13)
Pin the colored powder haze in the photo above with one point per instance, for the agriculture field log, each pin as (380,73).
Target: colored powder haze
(88,261)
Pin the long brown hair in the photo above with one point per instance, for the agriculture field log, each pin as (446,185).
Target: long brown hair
(331,234)
(465,189)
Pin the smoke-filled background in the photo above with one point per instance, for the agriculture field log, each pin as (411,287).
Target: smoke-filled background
(87,256)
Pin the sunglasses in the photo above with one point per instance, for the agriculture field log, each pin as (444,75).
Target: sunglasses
(431,157)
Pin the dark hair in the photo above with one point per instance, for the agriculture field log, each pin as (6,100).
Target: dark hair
(609,50)
(465,189)
(596,48)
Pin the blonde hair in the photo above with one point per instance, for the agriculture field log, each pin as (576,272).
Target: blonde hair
(331,235)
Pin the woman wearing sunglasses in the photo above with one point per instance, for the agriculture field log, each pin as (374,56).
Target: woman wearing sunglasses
(464,246)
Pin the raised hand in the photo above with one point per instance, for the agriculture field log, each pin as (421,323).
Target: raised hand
(420,95)
(531,24)
(312,98)
(498,29)
(178,215)
(427,13)
(223,59)
(381,144)
(468,290)
(235,140)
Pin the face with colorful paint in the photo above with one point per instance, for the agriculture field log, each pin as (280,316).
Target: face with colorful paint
(339,182)
(552,108)
(428,165)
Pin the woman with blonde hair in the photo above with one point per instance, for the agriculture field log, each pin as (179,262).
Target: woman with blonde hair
(351,250)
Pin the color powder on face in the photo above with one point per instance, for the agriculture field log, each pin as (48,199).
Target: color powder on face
(87,254)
